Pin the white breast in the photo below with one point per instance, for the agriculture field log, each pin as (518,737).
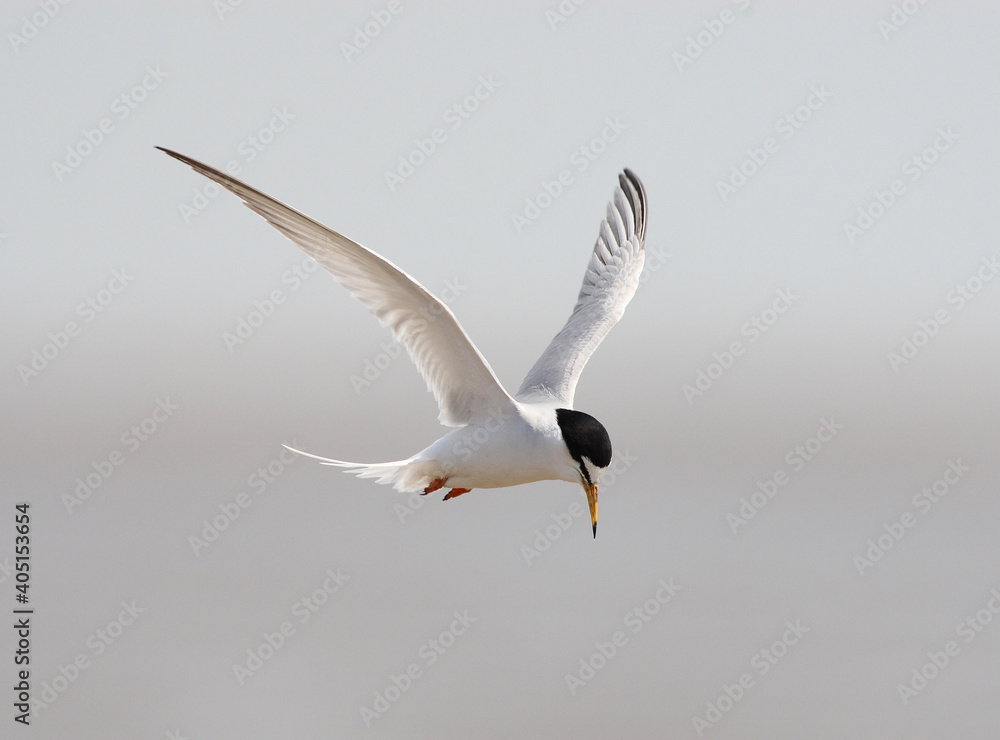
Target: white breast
(521,448)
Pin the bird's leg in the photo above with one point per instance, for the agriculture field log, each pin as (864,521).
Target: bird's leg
(456,492)
(434,485)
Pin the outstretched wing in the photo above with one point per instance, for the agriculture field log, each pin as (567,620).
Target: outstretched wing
(608,286)
(466,388)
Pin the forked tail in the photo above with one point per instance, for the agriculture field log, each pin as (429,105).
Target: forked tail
(404,475)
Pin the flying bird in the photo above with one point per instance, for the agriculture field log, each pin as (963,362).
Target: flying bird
(500,440)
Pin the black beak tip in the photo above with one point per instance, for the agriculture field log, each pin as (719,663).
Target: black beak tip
(595,530)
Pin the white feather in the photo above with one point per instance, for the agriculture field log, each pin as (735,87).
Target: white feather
(466,388)
(608,285)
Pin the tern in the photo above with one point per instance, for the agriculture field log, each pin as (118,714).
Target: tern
(500,440)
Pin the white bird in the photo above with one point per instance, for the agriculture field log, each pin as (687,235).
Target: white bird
(501,440)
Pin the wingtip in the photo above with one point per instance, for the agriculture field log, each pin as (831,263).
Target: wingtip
(177,155)
(324,460)
(635,182)
(636,194)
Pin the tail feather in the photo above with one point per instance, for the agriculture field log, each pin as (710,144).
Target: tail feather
(412,474)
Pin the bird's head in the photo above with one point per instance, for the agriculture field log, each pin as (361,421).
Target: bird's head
(590,447)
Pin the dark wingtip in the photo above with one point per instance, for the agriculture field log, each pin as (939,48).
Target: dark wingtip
(176,155)
(636,195)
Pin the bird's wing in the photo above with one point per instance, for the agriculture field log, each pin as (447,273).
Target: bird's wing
(462,381)
(611,279)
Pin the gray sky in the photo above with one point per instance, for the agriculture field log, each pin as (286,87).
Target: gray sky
(799,539)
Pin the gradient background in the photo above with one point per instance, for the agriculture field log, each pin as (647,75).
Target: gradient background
(683,466)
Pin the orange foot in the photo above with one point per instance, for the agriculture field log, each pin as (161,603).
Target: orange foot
(456,492)
(434,485)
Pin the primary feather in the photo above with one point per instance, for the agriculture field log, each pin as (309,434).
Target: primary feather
(465,386)
(608,286)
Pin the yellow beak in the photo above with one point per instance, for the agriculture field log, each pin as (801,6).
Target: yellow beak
(591,490)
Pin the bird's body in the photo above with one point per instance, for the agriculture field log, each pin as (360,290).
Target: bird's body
(520,447)
(500,440)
